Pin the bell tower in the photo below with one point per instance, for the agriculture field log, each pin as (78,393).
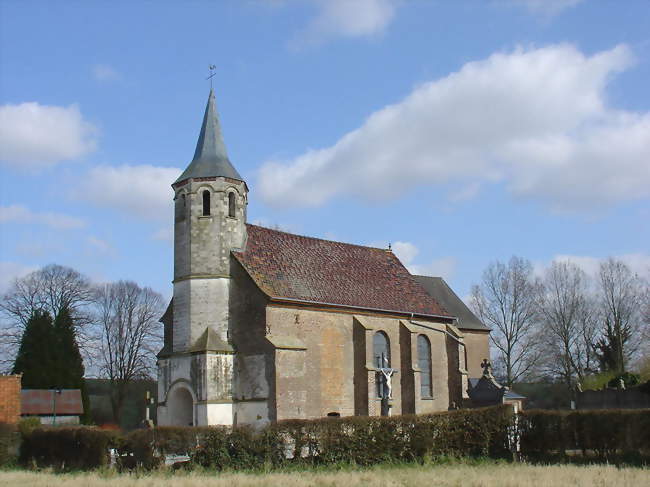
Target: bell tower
(210,199)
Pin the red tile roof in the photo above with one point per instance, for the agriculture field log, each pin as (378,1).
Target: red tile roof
(41,401)
(287,266)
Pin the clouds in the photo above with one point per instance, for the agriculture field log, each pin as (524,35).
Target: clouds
(141,191)
(344,18)
(535,119)
(639,263)
(10,271)
(407,252)
(22,214)
(105,73)
(546,7)
(36,136)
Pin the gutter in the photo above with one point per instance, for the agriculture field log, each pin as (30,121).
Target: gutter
(346,306)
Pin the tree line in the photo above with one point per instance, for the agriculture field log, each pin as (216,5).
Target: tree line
(57,325)
(563,324)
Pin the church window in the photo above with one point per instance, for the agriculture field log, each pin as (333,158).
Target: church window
(231,205)
(424,362)
(206,203)
(381,352)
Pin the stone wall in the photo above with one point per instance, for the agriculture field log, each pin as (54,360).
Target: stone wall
(9,398)
(477,348)
(323,363)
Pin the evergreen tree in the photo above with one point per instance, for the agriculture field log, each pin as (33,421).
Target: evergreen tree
(69,363)
(36,358)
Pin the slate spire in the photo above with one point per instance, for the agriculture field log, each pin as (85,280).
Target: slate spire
(210,157)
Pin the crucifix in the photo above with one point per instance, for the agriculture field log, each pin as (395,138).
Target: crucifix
(212,68)
(487,368)
(386,378)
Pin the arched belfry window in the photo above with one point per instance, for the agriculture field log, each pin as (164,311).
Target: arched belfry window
(231,204)
(424,362)
(206,203)
(381,353)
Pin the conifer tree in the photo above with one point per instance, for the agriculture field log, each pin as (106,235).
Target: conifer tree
(69,364)
(68,361)
(36,358)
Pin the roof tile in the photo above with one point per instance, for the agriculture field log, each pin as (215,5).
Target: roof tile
(289,266)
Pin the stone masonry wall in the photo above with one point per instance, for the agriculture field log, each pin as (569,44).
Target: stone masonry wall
(477,346)
(334,372)
(9,398)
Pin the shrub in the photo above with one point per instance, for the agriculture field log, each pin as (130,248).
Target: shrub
(371,440)
(146,448)
(628,379)
(239,448)
(601,434)
(79,448)
(597,382)
(28,424)
(9,444)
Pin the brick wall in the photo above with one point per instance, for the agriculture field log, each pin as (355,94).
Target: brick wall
(9,398)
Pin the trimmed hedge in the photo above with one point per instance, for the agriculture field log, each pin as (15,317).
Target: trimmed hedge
(602,434)
(487,432)
(9,444)
(67,448)
(371,440)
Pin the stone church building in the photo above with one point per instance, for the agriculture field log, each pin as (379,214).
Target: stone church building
(265,325)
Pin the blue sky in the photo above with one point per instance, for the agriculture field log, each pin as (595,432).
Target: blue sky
(460,131)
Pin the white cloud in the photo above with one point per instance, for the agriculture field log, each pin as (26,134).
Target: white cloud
(637,262)
(104,72)
(546,7)
(535,119)
(141,191)
(100,247)
(10,271)
(407,252)
(22,214)
(36,136)
(346,18)
(444,267)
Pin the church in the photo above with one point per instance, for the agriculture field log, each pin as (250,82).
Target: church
(266,325)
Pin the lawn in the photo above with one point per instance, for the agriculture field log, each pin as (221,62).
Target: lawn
(484,475)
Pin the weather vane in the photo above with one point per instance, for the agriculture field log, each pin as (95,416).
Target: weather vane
(211,67)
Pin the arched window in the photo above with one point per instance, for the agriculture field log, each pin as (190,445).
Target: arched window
(381,352)
(424,362)
(231,205)
(206,203)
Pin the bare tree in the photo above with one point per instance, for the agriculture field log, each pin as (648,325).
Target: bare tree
(621,294)
(567,322)
(50,289)
(506,301)
(130,336)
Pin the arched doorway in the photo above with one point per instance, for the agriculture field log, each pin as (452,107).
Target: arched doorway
(181,407)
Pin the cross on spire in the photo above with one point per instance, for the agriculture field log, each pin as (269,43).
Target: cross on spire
(212,69)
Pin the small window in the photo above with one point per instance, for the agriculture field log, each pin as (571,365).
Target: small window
(424,362)
(381,352)
(206,203)
(231,205)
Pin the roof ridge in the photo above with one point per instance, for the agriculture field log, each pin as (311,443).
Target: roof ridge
(318,238)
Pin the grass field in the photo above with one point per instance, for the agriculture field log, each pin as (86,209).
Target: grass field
(486,475)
